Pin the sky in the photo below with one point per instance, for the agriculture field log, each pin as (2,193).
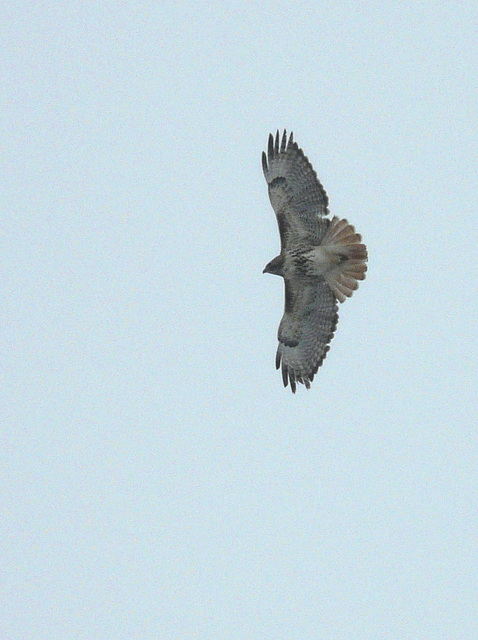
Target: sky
(157,480)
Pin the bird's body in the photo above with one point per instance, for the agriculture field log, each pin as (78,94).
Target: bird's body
(303,261)
(321,260)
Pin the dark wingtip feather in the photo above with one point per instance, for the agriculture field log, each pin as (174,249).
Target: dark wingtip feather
(285,375)
(276,148)
(270,147)
(284,142)
(265,168)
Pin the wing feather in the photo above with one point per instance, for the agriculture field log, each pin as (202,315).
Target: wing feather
(296,194)
(306,329)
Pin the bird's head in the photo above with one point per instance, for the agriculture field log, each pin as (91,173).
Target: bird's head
(275,266)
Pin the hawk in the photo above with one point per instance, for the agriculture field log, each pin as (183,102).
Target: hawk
(321,260)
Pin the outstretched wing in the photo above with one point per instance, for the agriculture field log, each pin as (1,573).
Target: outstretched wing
(306,329)
(296,195)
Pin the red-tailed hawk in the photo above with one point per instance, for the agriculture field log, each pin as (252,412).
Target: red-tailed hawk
(321,260)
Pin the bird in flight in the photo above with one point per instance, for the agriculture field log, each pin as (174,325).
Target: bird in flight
(321,260)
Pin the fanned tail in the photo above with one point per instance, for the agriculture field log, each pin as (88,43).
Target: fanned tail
(350,256)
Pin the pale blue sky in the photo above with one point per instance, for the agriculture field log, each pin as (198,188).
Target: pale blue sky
(157,480)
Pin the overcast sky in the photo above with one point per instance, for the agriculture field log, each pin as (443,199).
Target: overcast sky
(157,480)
